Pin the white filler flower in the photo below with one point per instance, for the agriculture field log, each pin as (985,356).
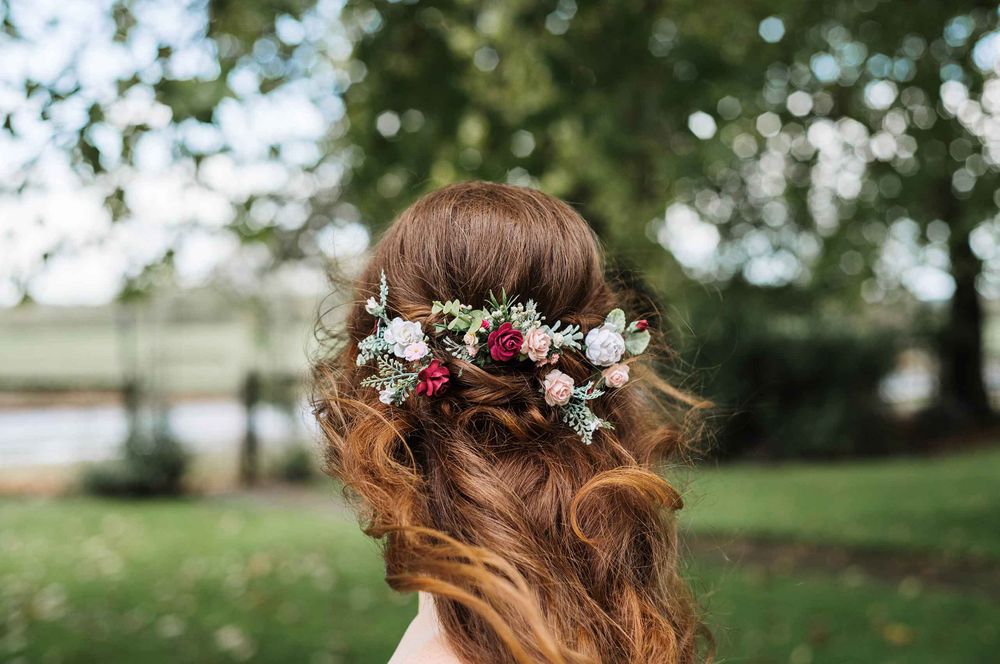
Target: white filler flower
(402,333)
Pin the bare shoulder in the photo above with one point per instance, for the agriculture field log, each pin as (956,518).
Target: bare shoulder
(432,651)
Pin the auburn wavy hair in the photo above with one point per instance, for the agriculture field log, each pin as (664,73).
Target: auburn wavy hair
(536,547)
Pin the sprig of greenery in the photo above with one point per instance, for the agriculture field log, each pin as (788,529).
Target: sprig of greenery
(456,349)
(503,303)
(462,316)
(383,290)
(568,337)
(394,376)
(372,347)
(578,415)
(636,340)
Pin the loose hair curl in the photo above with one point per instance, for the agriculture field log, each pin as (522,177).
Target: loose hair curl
(536,547)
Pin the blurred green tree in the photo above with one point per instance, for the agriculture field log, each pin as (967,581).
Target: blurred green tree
(847,147)
(129,97)
(879,138)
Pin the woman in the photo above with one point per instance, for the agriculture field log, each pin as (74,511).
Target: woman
(493,414)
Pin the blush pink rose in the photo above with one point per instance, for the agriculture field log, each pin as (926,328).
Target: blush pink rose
(536,344)
(616,375)
(558,388)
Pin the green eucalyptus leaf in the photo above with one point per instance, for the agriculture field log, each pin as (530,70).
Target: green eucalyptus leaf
(636,342)
(616,319)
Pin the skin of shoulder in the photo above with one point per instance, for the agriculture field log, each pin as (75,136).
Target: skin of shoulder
(433,651)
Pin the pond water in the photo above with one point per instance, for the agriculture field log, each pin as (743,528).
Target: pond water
(74,434)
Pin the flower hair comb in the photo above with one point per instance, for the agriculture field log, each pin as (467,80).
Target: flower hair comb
(511,331)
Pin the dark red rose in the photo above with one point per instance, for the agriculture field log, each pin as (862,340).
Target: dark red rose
(433,379)
(641,325)
(505,342)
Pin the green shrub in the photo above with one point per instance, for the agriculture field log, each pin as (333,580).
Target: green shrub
(295,465)
(791,382)
(151,466)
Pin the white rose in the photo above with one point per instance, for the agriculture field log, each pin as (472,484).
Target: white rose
(605,346)
(387,396)
(400,334)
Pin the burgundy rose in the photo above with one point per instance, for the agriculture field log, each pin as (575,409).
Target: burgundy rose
(641,325)
(433,379)
(505,342)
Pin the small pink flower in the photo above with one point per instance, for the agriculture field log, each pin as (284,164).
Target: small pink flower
(616,375)
(558,388)
(536,344)
(641,324)
(415,351)
(485,325)
(552,360)
(471,342)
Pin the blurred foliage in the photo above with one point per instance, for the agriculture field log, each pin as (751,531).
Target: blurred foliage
(792,382)
(296,465)
(152,465)
(848,150)
(813,146)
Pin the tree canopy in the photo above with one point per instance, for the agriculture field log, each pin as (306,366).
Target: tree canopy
(847,148)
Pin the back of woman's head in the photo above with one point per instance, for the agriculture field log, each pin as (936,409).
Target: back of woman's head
(538,548)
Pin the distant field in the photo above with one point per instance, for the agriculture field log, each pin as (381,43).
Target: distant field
(191,581)
(946,504)
(40,349)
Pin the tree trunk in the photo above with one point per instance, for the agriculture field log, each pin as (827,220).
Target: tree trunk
(250,450)
(963,389)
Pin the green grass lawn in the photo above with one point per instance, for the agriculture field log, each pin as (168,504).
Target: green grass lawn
(87,580)
(946,504)
(84,580)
